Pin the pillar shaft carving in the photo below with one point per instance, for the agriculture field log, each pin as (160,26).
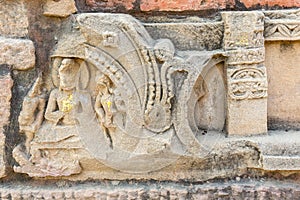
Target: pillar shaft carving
(245,73)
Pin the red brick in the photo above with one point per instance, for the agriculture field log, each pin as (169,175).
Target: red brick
(127,4)
(184,5)
(283,3)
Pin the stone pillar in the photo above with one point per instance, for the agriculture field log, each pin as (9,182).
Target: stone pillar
(246,76)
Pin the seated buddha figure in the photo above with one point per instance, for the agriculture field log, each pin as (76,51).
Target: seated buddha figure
(64,106)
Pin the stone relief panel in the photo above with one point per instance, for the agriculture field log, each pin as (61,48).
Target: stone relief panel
(118,98)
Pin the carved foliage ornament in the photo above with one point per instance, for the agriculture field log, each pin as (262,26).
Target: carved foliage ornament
(247,83)
(278,30)
(282,25)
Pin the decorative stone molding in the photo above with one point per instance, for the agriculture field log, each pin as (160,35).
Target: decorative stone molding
(254,188)
(245,56)
(282,25)
(248,189)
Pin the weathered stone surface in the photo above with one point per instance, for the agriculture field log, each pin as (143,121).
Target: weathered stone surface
(19,53)
(245,189)
(13,19)
(189,36)
(5,95)
(279,151)
(244,117)
(181,5)
(274,163)
(284,89)
(246,73)
(61,8)
(118,100)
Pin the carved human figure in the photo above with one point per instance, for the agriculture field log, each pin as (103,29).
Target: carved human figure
(32,112)
(104,105)
(60,109)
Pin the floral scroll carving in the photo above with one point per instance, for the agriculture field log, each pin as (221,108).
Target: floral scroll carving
(247,83)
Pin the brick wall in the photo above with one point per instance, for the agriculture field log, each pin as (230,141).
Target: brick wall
(181,5)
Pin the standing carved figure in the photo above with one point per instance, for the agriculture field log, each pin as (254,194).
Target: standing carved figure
(104,105)
(31,116)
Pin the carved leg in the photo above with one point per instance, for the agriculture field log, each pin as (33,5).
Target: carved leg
(29,138)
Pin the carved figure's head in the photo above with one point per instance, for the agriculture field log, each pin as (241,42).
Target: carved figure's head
(164,50)
(36,88)
(102,79)
(68,72)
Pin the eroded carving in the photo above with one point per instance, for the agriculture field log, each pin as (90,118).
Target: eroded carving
(64,105)
(246,56)
(247,83)
(32,112)
(124,103)
(246,74)
(238,32)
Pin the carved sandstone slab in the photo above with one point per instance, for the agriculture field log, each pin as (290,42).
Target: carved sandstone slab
(119,104)
(282,49)
(19,53)
(119,100)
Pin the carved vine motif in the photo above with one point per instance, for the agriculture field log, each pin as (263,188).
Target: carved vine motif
(282,30)
(282,25)
(247,83)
